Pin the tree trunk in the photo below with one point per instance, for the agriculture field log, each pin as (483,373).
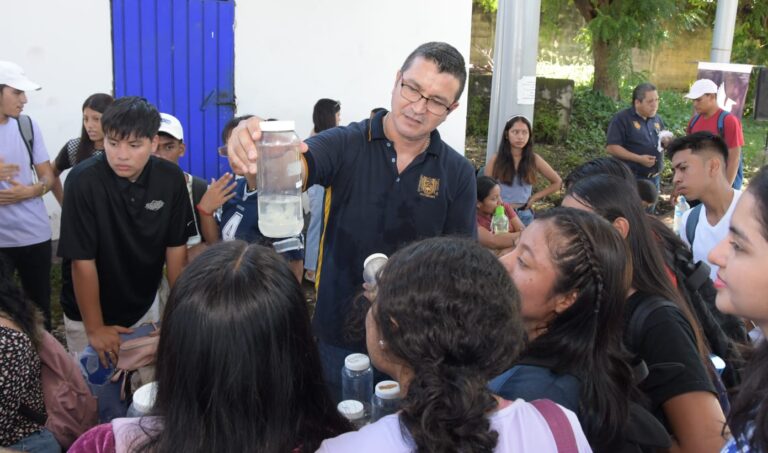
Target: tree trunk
(602,53)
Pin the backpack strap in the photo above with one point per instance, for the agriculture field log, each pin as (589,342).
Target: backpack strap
(721,123)
(28,134)
(199,187)
(559,424)
(691,223)
(691,123)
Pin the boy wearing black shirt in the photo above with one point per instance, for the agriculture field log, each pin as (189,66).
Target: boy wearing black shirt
(126,214)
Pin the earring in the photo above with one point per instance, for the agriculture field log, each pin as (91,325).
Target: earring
(381,344)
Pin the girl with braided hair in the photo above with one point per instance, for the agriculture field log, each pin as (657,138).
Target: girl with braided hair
(669,338)
(446,318)
(573,272)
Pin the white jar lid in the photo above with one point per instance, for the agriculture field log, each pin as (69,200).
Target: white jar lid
(351,409)
(373,257)
(388,390)
(144,397)
(357,362)
(277,126)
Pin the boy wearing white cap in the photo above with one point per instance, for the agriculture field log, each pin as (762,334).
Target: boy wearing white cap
(25,231)
(712,118)
(171,147)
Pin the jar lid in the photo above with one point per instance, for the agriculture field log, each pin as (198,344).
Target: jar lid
(388,390)
(277,126)
(144,397)
(373,257)
(357,362)
(351,409)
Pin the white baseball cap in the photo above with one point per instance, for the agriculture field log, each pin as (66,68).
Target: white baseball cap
(12,75)
(700,88)
(171,126)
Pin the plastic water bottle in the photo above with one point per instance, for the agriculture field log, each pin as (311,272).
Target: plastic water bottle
(106,392)
(500,221)
(143,400)
(680,207)
(371,267)
(386,400)
(357,381)
(279,180)
(353,411)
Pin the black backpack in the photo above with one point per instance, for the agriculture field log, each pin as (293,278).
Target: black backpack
(725,334)
(644,433)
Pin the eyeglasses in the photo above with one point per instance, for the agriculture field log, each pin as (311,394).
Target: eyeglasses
(411,94)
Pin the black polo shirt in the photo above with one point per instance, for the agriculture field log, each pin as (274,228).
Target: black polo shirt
(641,136)
(126,228)
(371,208)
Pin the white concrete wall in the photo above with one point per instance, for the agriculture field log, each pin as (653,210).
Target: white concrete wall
(67,48)
(289,54)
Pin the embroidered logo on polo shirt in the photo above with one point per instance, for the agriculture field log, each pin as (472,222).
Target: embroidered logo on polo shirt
(428,187)
(636,124)
(154,205)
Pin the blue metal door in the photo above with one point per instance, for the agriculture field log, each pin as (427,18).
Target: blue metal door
(179,54)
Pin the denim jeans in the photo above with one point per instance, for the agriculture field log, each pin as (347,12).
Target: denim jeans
(39,442)
(740,173)
(316,195)
(526,216)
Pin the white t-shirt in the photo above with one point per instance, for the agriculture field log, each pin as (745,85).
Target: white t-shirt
(708,236)
(520,425)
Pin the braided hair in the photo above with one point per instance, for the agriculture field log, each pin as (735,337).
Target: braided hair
(591,260)
(449,310)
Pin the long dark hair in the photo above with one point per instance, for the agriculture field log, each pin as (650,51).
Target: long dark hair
(98,102)
(324,114)
(447,308)
(237,367)
(504,167)
(15,306)
(591,259)
(612,197)
(750,407)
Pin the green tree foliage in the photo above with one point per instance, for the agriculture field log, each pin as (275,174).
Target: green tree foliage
(615,27)
(750,40)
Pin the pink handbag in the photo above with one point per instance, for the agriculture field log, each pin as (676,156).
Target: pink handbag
(137,350)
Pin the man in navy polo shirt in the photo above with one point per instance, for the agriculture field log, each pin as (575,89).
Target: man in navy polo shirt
(633,134)
(126,214)
(389,180)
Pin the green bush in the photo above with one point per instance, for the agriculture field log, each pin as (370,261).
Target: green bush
(477,116)
(546,127)
(590,115)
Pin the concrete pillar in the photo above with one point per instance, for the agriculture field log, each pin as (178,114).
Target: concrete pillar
(514,69)
(722,37)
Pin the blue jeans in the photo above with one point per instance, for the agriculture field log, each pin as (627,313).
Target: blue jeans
(740,173)
(316,195)
(39,442)
(526,216)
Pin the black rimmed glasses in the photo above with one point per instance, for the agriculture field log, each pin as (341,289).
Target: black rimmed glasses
(411,94)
